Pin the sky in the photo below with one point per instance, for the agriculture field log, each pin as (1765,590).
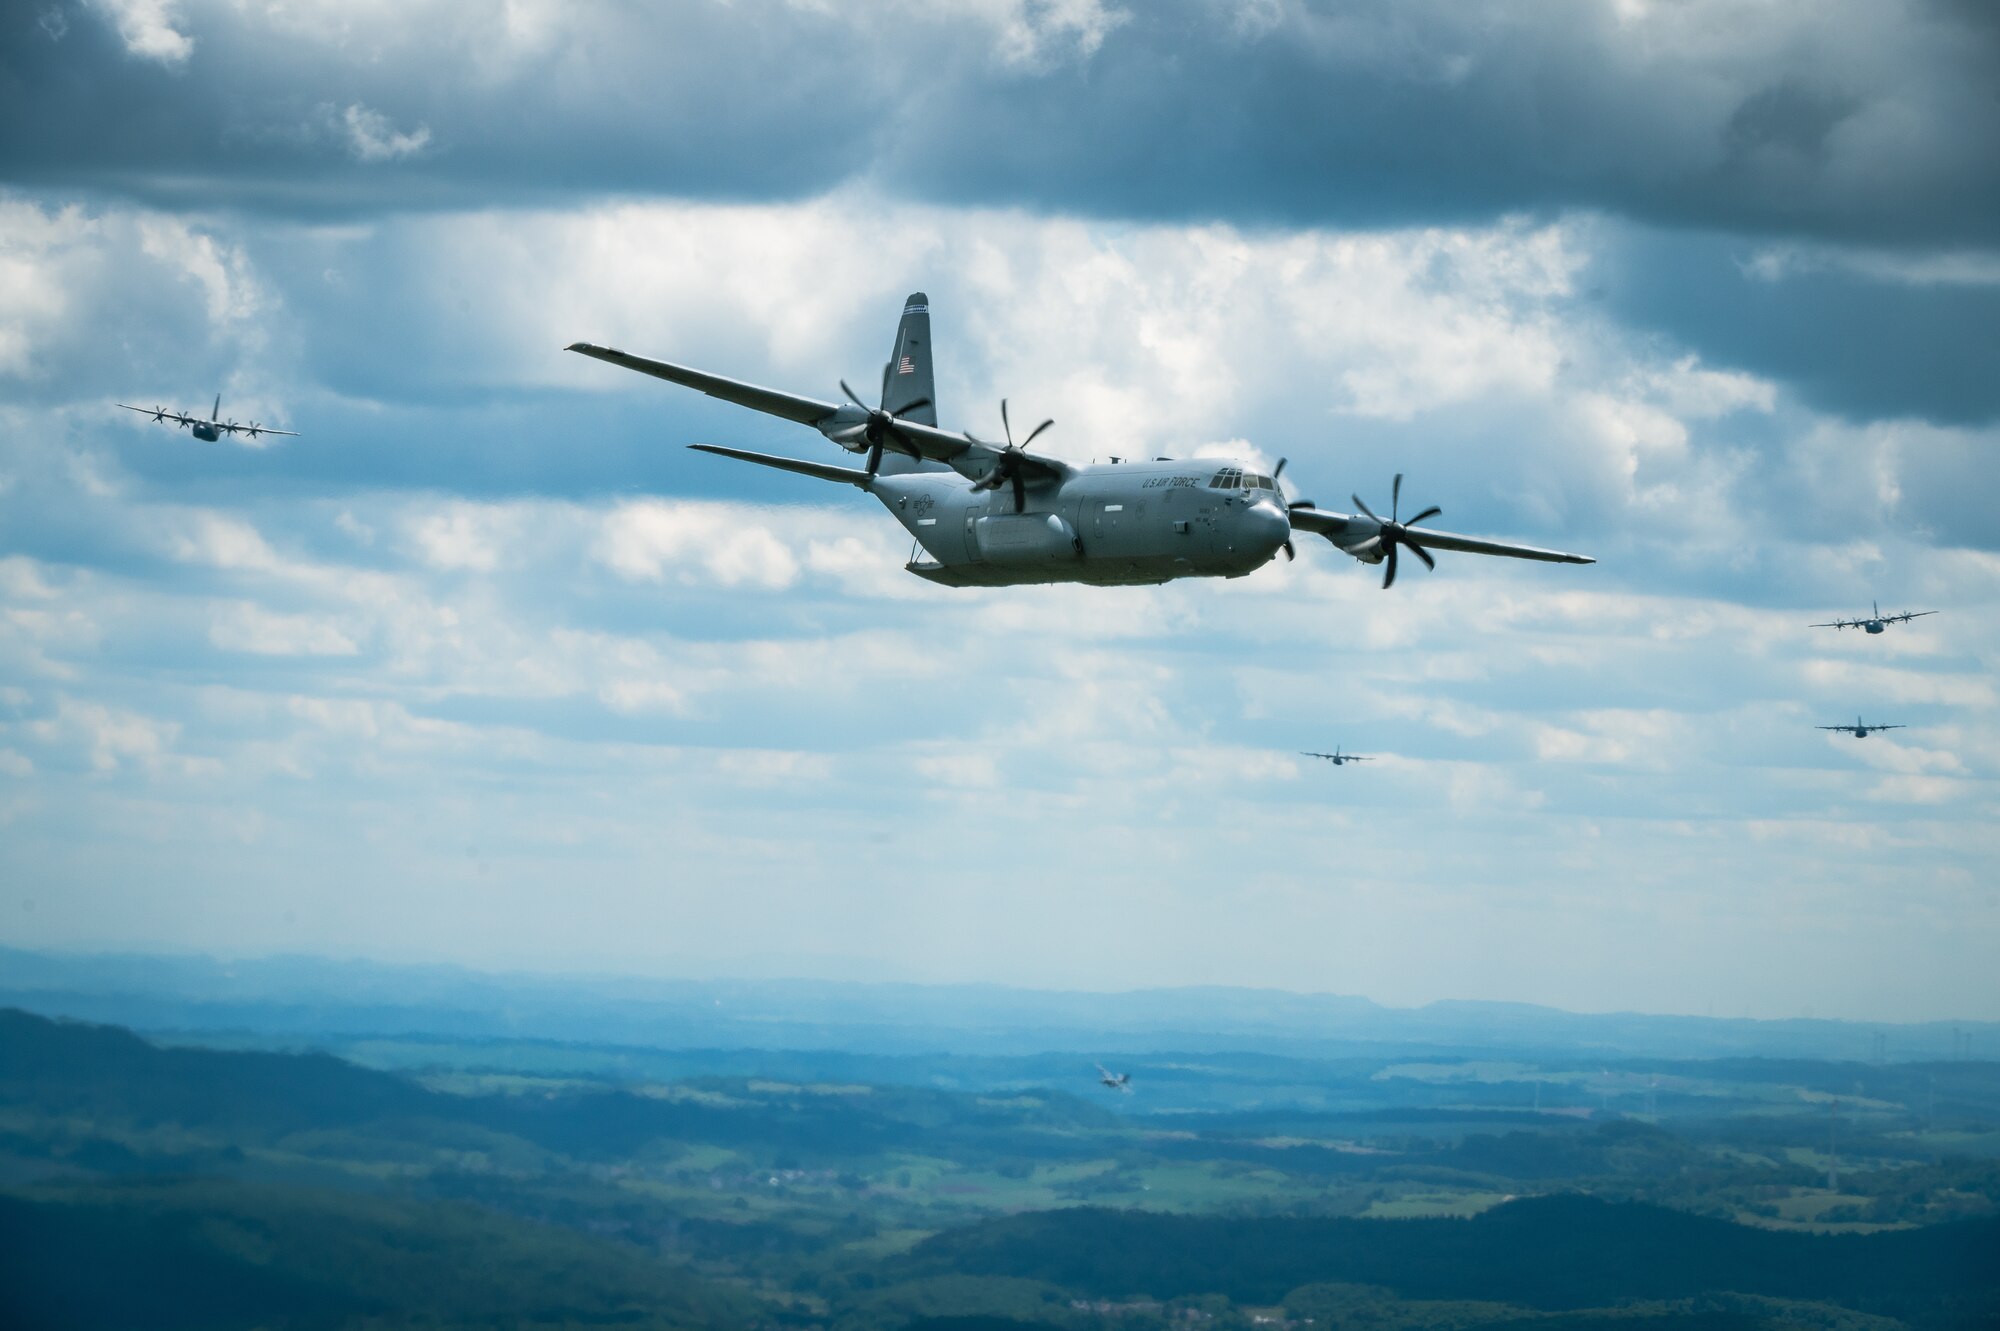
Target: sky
(487,668)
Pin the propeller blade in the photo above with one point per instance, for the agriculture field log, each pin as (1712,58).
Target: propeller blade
(874,459)
(1430,512)
(1363,507)
(1020,491)
(1278,471)
(1389,577)
(1004,425)
(1395,495)
(1301,503)
(850,396)
(1424,555)
(909,407)
(1037,430)
(1290,554)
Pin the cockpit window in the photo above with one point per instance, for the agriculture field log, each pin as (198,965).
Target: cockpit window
(1229,478)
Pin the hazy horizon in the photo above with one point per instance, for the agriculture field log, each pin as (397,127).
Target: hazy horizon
(274,968)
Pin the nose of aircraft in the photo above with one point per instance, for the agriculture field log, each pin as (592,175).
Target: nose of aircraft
(1266,528)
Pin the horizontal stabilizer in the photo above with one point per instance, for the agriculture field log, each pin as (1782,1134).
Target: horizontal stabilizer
(819,470)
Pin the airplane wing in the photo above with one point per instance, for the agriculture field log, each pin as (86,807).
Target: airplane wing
(1305,754)
(1837,624)
(1888,727)
(254,430)
(804,410)
(970,457)
(157,414)
(1843,727)
(1335,525)
(1906,616)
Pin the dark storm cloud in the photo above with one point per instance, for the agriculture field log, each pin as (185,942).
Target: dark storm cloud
(1860,345)
(1861,120)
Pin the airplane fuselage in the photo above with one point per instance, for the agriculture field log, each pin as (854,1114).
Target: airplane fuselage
(204,430)
(1874,626)
(1118,524)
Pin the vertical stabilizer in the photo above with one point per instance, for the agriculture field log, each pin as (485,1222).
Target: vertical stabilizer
(907,376)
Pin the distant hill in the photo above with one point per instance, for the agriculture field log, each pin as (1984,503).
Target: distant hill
(223,1256)
(106,1075)
(1551,1253)
(311,997)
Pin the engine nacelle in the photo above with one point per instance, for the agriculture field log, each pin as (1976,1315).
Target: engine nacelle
(1368,549)
(847,427)
(1025,538)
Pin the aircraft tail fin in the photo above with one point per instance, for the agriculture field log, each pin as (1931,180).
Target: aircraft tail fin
(215,412)
(907,376)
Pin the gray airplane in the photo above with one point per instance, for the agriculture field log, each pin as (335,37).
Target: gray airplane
(1117,1081)
(1336,757)
(1860,731)
(211,429)
(1876,622)
(995,514)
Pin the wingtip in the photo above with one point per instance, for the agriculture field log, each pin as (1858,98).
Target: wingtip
(585,347)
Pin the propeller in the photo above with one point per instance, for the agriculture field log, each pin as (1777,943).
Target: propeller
(159,413)
(1007,467)
(1277,475)
(253,429)
(183,421)
(1395,533)
(881,426)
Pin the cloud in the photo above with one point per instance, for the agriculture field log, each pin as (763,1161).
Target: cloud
(1862,335)
(147,29)
(1861,120)
(112,737)
(371,138)
(463,536)
(652,539)
(246,627)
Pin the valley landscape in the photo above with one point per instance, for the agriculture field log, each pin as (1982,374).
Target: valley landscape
(264,1175)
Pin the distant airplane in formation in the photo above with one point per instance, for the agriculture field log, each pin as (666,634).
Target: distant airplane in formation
(211,429)
(1121,1081)
(1875,622)
(996,515)
(1336,757)
(1860,731)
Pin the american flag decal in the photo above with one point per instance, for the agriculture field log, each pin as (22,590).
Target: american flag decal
(904,366)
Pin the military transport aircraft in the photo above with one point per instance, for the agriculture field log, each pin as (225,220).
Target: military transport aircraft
(1876,622)
(211,429)
(1860,731)
(1117,1081)
(1336,757)
(992,514)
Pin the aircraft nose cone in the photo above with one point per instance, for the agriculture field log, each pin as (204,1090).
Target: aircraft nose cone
(1266,528)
